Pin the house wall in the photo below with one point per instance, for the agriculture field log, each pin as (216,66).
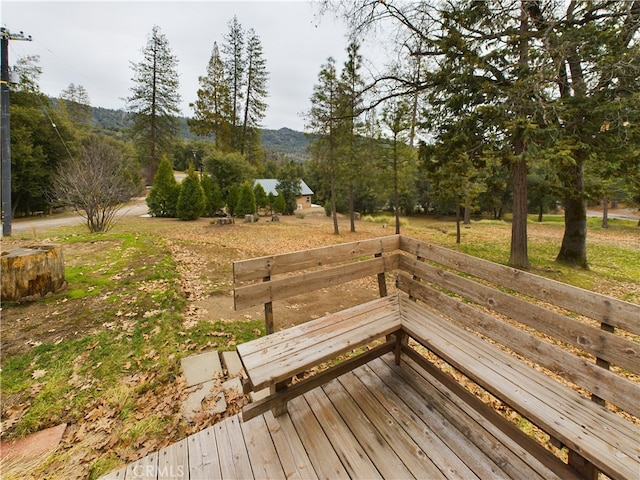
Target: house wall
(304,202)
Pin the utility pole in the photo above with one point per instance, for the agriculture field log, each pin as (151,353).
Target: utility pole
(5,128)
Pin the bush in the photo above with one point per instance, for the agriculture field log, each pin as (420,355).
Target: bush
(191,200)
(213,202)
(163,197)
(279,204)
(246,201)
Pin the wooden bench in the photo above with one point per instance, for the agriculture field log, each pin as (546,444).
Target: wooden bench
(565,359)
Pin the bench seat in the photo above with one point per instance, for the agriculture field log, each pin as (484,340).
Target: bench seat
(603,438)
(278,357)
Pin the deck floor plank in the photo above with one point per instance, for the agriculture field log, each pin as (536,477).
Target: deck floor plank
(173,461)
(519,462)
(421,450)
(232,451)
(323,457)
(377,421)
(347,446)
(377,442)
(264,459)
(452,450)
(293,456)
(146,468)
(203,455)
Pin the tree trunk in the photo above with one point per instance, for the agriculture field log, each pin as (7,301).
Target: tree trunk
(334,212)
(458,219)
(519,257)
(467,207)
(605,213)
(352,208)
(573,251)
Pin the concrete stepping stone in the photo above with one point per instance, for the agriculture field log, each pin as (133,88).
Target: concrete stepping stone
(201,368)
(193,404)
(232,363)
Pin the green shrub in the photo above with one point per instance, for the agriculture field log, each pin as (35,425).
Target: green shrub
(213,202)
(246,201)
(191,200)
(163,197)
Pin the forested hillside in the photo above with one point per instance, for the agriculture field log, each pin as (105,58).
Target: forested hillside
(284,141)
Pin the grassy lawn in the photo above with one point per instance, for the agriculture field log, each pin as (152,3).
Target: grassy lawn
(104,355)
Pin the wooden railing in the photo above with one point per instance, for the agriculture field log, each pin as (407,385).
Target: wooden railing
(586,339)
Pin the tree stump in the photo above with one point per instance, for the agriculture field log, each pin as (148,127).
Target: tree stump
(32,272)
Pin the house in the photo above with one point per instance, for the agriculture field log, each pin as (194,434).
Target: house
(302,202)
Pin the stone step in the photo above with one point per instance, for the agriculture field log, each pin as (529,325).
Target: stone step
(206,370)
(202,368)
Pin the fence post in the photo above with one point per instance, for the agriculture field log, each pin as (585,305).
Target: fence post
(268,312)
(382,283)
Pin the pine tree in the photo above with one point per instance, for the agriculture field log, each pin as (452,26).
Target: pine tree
(155,100)
(350,108)
(246,202)
(232,199)
(288,186)
(279,204)
(191,201)
(262,201)
(322,120)
(74,100)
(212,196)
(163,197)
(212,108)
(235,66)
(255,92)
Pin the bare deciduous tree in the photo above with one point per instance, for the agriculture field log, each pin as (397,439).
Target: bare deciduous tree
(96,183)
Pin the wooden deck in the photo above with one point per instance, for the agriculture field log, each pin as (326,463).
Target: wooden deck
(378,421)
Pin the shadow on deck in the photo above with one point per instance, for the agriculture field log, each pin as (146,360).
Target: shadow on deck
(378,421)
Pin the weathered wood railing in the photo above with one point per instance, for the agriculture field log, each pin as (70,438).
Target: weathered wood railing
(357,260)
(540,346)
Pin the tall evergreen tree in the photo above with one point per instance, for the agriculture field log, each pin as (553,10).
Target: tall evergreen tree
(155,100)
(76,104)
(396,116)
(246,201)
(255,92)
(191,201)
(212,108)
(323,121)
(235,67)
(349,109)
(163,197)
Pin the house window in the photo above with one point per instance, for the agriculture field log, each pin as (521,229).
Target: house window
(308,199)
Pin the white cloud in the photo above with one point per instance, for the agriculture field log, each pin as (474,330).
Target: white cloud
(93,43)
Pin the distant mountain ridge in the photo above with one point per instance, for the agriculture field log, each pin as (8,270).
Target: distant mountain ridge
(284,141)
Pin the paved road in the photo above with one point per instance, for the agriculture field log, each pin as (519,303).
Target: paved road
(135,208)
(622,214)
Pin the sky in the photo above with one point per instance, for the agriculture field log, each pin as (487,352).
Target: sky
(93,44)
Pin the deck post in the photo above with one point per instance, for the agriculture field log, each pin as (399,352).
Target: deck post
(402,339)
(416,277)
(382,283)
(581,465)
(278,387)
(268,312)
